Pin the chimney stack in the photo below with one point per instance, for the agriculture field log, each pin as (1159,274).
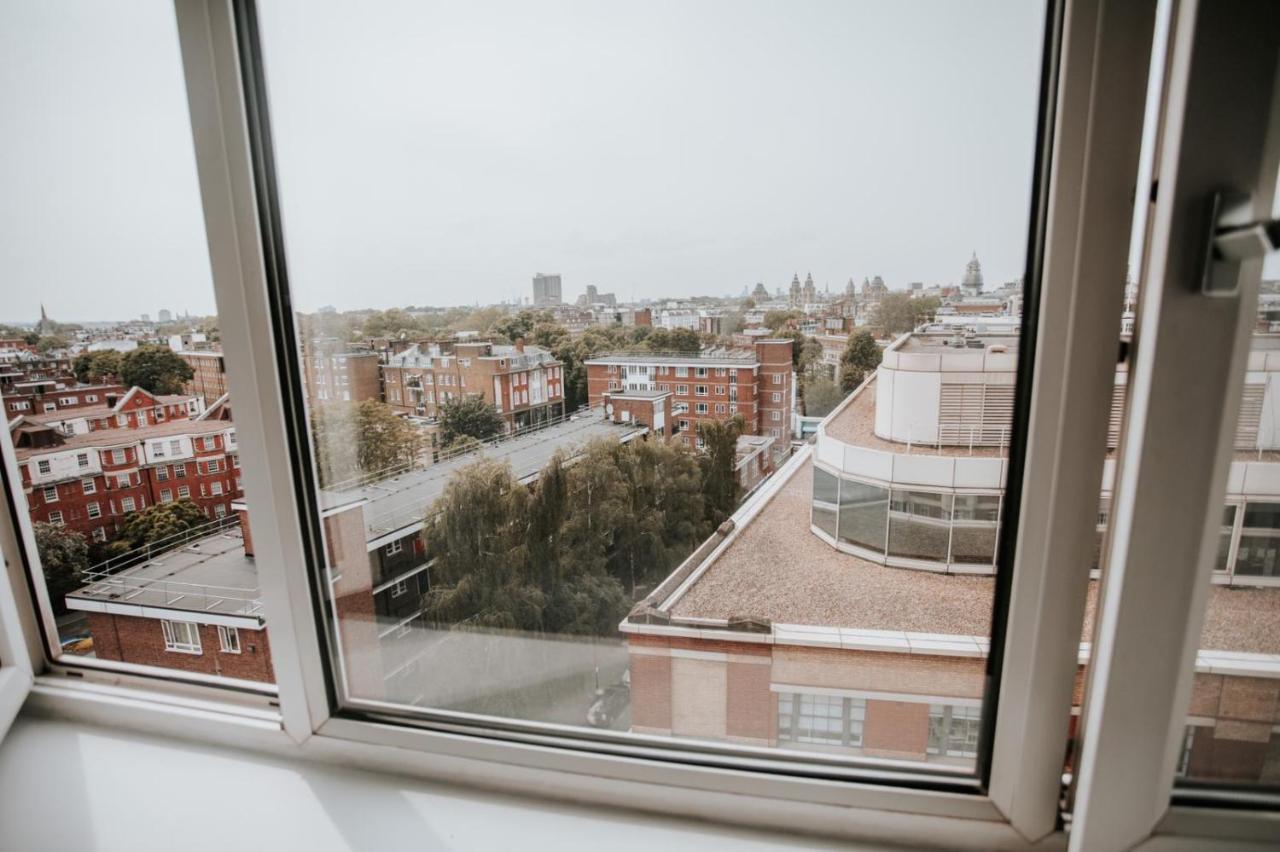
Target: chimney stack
(520,344)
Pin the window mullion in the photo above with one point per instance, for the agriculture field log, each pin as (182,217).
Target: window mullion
(221,130)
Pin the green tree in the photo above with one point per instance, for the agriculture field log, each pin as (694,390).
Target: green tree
(50,342)
(469,415)
(367,438)
(161,521)
(520,325)
(775,320)
(821,396)
(861,355)
(95,366)
(719,458)
(898,313)
(156,369)
(476,536)
(64,556)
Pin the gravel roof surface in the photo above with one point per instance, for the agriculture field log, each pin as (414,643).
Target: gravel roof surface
(777,569)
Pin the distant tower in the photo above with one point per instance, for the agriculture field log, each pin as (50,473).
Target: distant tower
(46,325)
(795,295)
(809,293)
(546,290)
(972,283)
(850,290)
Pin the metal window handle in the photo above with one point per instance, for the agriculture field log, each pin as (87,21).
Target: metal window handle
(1234,237)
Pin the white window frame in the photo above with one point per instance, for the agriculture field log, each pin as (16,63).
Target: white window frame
(45,493)
(228,639)
(179,640)
(88,486)
(93,510)
(1040,648)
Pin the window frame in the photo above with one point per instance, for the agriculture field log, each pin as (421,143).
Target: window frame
(245,242)
(171,641)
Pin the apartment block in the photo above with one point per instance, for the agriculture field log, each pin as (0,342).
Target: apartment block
(43,396)
(209,374)
(524,383)
(90,471)
(341,377)
(712,385)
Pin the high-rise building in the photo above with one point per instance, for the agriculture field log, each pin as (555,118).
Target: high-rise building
(164,315)
(546,291)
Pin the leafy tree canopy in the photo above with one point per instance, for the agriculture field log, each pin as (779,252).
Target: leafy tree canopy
(468,415)
(157,369)
(93,367)
(821,396)
(861,356)
(359,439)
(64,556)
(718,460)
(161,521)
(898,313)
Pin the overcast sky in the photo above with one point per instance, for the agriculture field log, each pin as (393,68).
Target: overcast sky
(437,153)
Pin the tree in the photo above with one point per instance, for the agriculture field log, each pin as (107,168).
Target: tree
(64,556)
(520,325)
(775,320)
(161,521)
(469,415)
(898,313)
(718,461)
(357,439)
(821,395)
(748,304)
(861,355)
(50,342)
(93,367)
(156,369)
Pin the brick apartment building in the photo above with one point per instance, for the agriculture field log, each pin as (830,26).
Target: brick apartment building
(712,385)
(524,383)
(88,469)
(341,377)
(42,396)
(208,374)
(873,639)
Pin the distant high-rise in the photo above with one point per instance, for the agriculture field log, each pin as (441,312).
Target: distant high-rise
(546,291)
(164,316)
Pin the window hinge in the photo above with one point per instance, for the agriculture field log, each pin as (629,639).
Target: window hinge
(1234,237)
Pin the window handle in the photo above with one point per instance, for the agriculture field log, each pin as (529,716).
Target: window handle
(1235,237)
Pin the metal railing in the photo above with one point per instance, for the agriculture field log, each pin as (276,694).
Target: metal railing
(155,548)
(169,593)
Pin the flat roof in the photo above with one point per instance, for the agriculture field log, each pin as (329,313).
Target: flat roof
(209,575)
(855,424)
(776,568)
(940,343)
(126,435)
(637,394)
(743,359)
(401,501)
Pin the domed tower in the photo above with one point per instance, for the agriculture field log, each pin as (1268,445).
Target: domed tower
(972,282)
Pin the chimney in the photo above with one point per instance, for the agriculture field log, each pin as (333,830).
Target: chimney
(520,344)
(244,530)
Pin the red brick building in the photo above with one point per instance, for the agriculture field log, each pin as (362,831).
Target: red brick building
(208,374)
(525,384)
(45,396)
(340,377)
(712,385)
(90,470)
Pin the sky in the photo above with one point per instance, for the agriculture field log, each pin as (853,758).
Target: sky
(442,153)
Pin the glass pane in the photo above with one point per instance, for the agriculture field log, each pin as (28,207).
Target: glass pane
(112,376)
(549,349)
(864,514)
(919,525)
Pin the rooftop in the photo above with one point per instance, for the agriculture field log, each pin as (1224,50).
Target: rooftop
(126,435)
(855,424)
(775,568)
(210,575)
(714,357)
(638,394)
(941,344)
(401,501)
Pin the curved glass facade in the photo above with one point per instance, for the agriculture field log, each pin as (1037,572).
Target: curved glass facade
(906,525)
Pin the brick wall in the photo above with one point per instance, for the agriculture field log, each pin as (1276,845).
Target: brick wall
(131,639)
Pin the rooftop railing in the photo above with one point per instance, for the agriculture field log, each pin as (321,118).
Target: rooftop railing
(152,549)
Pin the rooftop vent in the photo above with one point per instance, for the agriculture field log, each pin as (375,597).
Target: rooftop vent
(997,348)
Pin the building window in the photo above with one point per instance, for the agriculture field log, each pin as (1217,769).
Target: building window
(821,719)
(208,443)
(700,408)
(118,456)
(953,730)
(394,547)
(51,494)
(55,517)
(99,534)
(719,390)
(82,459)
(777,397)
(700,390)
(94,510)
(183,492)
(399,588)
(719,408)
(181,636)
(180,471)
(166,496)
(700,372)
(162,473)
(43,466)
(175,448)
(229,639)
(775,416)
(777,378)
(122,481)
(88,486)
(682,390)
(157,449)
(215,489)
